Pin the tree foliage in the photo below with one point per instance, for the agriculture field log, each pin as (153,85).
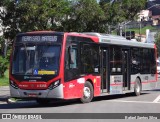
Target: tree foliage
(122,10)
(85,15)
(31,15)
(3,65)
(65,15)
(157,42)
(132,7)
(3,60)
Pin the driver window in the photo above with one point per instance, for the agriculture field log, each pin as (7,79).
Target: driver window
(71,58)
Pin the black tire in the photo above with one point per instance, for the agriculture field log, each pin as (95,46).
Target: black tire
(87,93)
(137,87)
(43,101)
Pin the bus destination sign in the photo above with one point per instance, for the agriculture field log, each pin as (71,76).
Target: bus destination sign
(39,38)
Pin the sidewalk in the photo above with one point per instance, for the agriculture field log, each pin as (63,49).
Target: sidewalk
(4,94)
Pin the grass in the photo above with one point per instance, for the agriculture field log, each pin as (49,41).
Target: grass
(143,30)
(137,30)
(5,80)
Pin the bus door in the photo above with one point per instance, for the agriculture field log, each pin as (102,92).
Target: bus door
(116,77)
(105,75)
(126,69)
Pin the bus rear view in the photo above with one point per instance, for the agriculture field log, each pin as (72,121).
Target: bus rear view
(35,66)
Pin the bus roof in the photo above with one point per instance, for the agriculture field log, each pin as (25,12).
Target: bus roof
(40,32)
(118,40)
(103,38)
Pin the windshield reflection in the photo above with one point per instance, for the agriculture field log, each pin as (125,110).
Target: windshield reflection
(36,60)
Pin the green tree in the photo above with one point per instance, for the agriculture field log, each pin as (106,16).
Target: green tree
(32,15)
(3,60)
(84,15)
(157,42)
(65,15)
(3,65)
(132,7)
(120,11)
(113,13)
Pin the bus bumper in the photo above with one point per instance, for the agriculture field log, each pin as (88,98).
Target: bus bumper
(54,93)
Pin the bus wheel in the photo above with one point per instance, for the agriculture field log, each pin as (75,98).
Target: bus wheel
(87,93)
(137,87)
(42,101)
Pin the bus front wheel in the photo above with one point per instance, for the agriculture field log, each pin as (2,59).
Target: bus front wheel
(87,93)
(137,87)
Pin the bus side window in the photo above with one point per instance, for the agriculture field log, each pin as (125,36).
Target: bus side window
(153,61)
(89,58)
(145,62)
(71,58)
(135,60)
(115,60)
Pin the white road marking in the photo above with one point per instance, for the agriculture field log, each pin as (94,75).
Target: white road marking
(157,99)
(132,101)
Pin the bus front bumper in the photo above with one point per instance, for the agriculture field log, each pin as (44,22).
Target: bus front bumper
(54,93)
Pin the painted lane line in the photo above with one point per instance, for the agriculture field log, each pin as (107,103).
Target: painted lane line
(157,99)
(132,101)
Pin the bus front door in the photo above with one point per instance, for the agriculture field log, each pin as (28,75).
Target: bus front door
(105,79)
(126,69)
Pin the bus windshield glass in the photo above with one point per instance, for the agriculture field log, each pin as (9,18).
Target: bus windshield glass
(36,59)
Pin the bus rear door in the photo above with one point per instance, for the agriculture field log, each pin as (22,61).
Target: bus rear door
(105,74)
(126,69)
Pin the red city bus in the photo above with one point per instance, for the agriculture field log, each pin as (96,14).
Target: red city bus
(48,65)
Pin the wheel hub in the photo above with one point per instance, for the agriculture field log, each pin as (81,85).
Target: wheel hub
(87,92)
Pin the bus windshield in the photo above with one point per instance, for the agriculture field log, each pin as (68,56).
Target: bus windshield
(36,60)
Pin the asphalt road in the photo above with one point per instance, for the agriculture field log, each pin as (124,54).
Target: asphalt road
(147,102)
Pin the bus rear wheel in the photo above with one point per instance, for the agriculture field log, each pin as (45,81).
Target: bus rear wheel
(87,93)
(137,87)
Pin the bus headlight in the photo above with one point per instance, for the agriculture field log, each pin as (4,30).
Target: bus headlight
(54,84)
(13,84)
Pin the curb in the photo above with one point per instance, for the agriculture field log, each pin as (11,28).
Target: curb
(12,101)
(6,99)
(4,87)
(4,94)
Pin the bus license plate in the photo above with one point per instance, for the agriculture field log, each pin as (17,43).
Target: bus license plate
(32,95)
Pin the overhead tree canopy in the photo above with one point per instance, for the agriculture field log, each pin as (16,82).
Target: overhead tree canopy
(132,7)
(157,41)
(31,15)
(65,15)
(122,10)
(85,15)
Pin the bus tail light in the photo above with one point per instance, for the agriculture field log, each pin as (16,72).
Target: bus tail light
(54,84)
(13,84)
